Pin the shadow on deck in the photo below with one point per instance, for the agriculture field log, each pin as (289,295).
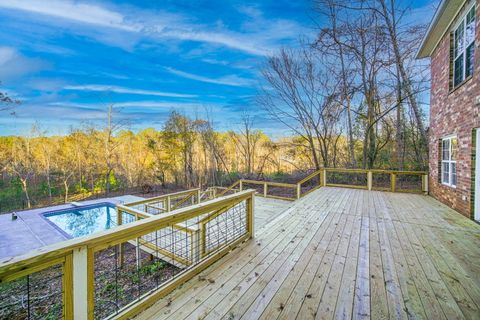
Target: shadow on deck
(343,253)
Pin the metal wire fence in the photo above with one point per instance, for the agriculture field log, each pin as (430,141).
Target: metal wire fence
(130,270)
(35,296)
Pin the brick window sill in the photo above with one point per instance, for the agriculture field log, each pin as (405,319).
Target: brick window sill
(449,186)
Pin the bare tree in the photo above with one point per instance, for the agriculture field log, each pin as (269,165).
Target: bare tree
(23,164)
(110,144)
(330,46)
(247,140)
(301,95)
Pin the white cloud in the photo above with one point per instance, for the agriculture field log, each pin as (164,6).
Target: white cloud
(13,64)
(233,41)
(6,54)
(262,36)
(156,104)
(116,89)
(230,80)
(74,11)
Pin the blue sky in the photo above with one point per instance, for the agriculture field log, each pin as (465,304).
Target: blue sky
(68,60)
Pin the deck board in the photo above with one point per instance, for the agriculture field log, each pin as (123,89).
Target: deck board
(343,254)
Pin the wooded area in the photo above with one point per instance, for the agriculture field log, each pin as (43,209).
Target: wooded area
(350,98)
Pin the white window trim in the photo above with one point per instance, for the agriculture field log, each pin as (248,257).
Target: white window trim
(463,20)
(449,161)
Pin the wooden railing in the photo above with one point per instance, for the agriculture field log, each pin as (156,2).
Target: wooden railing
(167,202)
(383,180)
(119,272)
(265,188)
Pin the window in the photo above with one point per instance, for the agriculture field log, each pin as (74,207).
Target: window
(464,47)
(449,161)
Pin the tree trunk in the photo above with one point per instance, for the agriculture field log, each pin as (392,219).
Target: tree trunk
(407,86)
(351,142)
(25,191)
(65,186)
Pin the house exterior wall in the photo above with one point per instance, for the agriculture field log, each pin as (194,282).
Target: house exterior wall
(454,112)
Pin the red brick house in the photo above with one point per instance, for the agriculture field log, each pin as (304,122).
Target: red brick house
(452,42)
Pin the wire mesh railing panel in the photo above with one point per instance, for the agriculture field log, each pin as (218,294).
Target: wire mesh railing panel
(346,178)
(283,192)
(381,181)
(171,243)
(125,272)
(257,187)
(223,191)
(152,207)
(310,184)
(225,228)
(409,182)
(36,296)
(183,201)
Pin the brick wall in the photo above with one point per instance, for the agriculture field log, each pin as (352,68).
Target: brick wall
(454,112)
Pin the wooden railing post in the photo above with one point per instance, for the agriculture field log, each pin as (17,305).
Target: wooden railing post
(425,183)
(250,217)
(169,204)
(67,284)
(198,196)
(120,246)
(83,284)
(299,190)
(202,244)
(369,180)
(197,245)
(393,181)
(241,185)
(265,186)
(324,177)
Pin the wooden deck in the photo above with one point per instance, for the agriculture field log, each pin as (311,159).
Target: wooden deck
(267,210)
(343,253)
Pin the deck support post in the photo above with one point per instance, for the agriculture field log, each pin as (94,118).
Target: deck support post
(250,217)
(369,180)
(83,283)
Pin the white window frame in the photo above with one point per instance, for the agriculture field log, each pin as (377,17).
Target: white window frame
(463,22)
(449,162)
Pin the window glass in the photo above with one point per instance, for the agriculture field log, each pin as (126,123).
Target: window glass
(453,144)
(454,174)
(446,149)
(459,38)
(445,172)
(449,163)
(470,27)
(458,70)
(469,60)
(464,47)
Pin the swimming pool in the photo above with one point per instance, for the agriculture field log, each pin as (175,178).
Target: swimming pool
(81,221)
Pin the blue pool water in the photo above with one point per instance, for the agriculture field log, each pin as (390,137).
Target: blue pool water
(84,220)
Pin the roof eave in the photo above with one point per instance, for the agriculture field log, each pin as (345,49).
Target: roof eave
(445,13)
